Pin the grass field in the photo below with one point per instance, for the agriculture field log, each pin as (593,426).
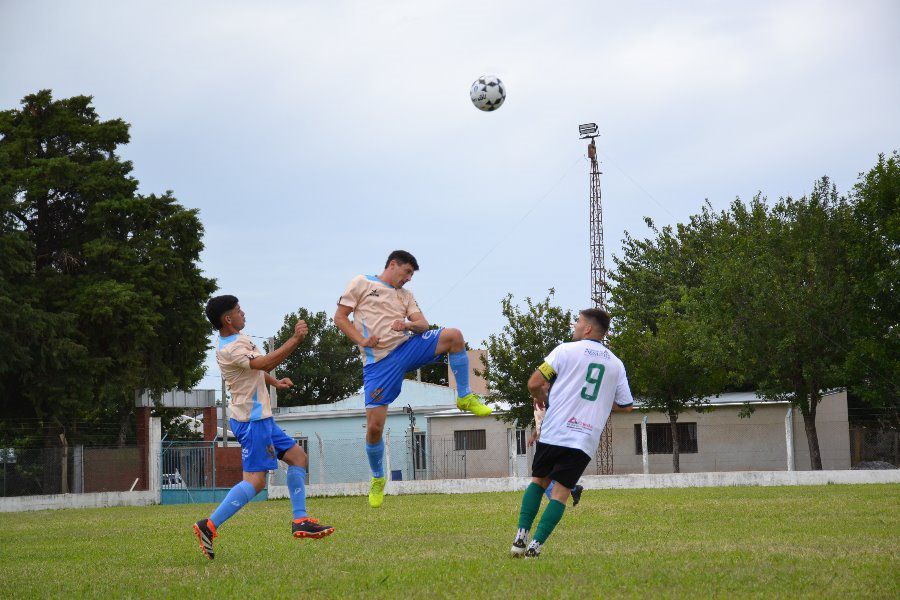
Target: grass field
(835,541)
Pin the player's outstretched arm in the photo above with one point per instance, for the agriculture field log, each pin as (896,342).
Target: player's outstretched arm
(281,384)
(273,359)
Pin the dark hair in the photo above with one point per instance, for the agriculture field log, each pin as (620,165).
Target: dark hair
(403,258)
(597,317)
(218,306)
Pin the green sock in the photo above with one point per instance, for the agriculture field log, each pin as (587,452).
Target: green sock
(552,514)
(531,502)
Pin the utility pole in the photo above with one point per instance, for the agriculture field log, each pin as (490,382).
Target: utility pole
(412,436)
(224,416)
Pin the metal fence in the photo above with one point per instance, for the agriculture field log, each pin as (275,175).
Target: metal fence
(187,465)
(75,469)
(704,447)
(744,446)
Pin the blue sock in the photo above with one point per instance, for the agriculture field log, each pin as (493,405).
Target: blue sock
(237,497)
(459,364)
(376,457)
(547,491)
(296,483)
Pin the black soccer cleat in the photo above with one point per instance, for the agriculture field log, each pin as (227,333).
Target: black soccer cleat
(206,533)
(534,549)
(310,528)
(519,544)
(576,494)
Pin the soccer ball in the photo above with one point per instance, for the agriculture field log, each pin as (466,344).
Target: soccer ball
(487,93)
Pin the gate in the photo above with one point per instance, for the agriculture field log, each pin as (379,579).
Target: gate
(188,474)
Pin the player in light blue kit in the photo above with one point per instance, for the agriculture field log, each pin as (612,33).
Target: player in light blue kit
(245,368)
(394,337)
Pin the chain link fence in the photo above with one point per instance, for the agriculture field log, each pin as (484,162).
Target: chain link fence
(874,447)
(74,469)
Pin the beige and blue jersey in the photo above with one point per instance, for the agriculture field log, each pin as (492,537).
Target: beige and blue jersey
(249,395)
(375,305)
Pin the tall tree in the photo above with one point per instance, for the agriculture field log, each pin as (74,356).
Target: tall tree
(652,332)
(104,284)
(873,360)
(776,289)
(324,368)
(520,347)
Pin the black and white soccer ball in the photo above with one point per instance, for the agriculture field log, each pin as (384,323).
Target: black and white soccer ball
(488,93)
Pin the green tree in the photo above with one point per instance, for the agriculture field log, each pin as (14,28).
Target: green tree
(775,293)
(324,368)
(873,360)
(653,335)
(520,347)
(103,284)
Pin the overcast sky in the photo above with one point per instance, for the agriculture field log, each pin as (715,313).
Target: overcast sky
(316,137)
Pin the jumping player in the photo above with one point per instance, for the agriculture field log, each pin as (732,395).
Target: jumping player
(245,368)
(394,337)
(588,381)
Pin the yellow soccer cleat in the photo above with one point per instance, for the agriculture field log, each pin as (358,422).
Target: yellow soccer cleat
(376,492)
(473,404)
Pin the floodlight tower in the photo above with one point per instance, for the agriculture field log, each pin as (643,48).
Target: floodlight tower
(598,269)
(589,131)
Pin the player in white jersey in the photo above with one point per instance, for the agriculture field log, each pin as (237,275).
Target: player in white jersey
(539,414)
(588,383)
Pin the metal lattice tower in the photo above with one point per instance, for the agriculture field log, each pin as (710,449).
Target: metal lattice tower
(598,269)
(598,273)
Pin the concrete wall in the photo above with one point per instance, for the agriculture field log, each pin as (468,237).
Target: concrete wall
(476,383)
(97,500)
(725,442)
(112,469)
(445,461)
(596,482)
(229,470)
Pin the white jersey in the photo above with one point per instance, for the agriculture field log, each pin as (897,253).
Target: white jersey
(588,379)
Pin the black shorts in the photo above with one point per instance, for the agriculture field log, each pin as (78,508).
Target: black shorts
(563,465)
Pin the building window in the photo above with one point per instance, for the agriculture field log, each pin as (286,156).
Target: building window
(470,439)
(659,438)
(521,442)
(419,462)
(303,442)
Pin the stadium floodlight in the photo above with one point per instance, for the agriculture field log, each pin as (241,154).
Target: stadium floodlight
(588,130)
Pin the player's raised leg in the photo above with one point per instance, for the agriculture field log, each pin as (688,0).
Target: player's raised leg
(452,343)
(375,418)
(302,526)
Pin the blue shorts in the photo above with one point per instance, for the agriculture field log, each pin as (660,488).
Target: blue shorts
(262,443)
(382,380)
